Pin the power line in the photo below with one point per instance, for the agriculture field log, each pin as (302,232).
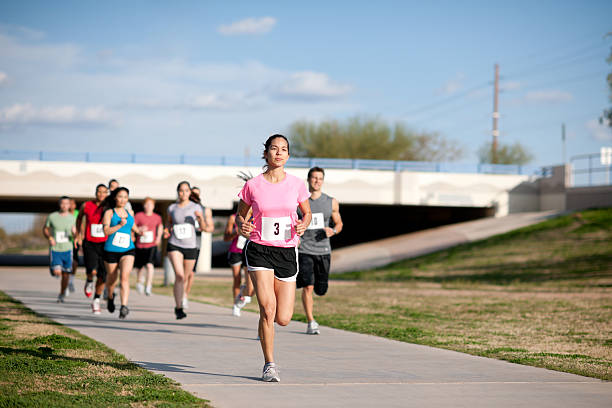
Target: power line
(546,67)
(560,81)
(446,100)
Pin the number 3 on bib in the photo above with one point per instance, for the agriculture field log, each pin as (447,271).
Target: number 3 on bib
(275,229)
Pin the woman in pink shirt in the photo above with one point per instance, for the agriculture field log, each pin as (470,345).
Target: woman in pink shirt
(271,253)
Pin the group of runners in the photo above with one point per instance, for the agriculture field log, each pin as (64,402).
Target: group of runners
(280,234)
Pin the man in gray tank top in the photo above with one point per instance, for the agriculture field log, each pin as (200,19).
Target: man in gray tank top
(315,249)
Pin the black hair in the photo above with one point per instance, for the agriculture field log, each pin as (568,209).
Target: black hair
(267,147)
(100,185)
(195,188)
(110,202)
(63,198)
(111,181)
(314,169)
(178,187)
(195,197)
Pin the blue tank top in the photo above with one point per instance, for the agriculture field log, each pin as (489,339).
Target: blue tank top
(121,240)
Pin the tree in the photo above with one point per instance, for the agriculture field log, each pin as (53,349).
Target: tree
(506,154)
(369,138)
(607,113)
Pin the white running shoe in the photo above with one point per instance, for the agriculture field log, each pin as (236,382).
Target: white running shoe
(140,288)
(89,288)
(185,303)
(236,311)
(148,290)
(270,373)
(71,284)
(239,301)
(95,306)
(67,291)
(313,328)
(247,300)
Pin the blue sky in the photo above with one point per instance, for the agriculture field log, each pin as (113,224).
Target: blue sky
(216,78)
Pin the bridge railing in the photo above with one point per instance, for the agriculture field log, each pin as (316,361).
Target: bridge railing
(589,170)
(296,162)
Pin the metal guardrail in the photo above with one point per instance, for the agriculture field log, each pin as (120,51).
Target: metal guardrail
(296,162)
(587,170)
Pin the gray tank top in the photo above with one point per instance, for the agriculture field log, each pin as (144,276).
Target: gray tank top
(183,233)
(315,241)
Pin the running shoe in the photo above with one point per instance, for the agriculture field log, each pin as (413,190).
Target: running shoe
(185,303)
(180,314)
(140,288)
(236,311)
(110,304)
(240,301)
(123,311)
(67,291)
(60,298)
(313,328)
(148,290)
(95,306)
(88,289)
(270,373)
(71,286)
(247,300)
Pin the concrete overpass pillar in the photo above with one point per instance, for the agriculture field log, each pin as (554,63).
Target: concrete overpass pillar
(205,258)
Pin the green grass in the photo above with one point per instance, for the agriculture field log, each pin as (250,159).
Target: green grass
(540,296)
(46,364)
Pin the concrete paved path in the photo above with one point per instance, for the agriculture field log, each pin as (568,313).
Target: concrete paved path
(384,251)
(216,356)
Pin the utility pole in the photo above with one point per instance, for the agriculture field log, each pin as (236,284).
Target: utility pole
(563,141)
(495,132)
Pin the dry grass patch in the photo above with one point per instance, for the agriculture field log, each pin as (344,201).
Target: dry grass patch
(45,364)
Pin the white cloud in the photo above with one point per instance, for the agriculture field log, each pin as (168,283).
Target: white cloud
(599,131)
(548,96)
(248,26)
(452,86)
(21,114)
(3,77)
(311,85)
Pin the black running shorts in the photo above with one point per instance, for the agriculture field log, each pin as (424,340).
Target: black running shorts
(283,261)
(234,258)
(114,257)
(188,253)
(145,256)
(93,254)
(314,271)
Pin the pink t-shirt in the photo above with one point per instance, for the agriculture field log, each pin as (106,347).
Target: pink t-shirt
(274,209)
(150,224)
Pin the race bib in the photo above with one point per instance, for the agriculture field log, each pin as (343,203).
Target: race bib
(241,242)
(146,237)
(183,231)
(197,225)
(61,237)
(121,240)
(276,229)
(317,222)
(97,230)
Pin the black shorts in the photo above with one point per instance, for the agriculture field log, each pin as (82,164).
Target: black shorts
(314,271)
(195,264)
(93,253)
(75,254)
(234,258)
(114,257)
(145,256)
(188,253)
(283,261)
